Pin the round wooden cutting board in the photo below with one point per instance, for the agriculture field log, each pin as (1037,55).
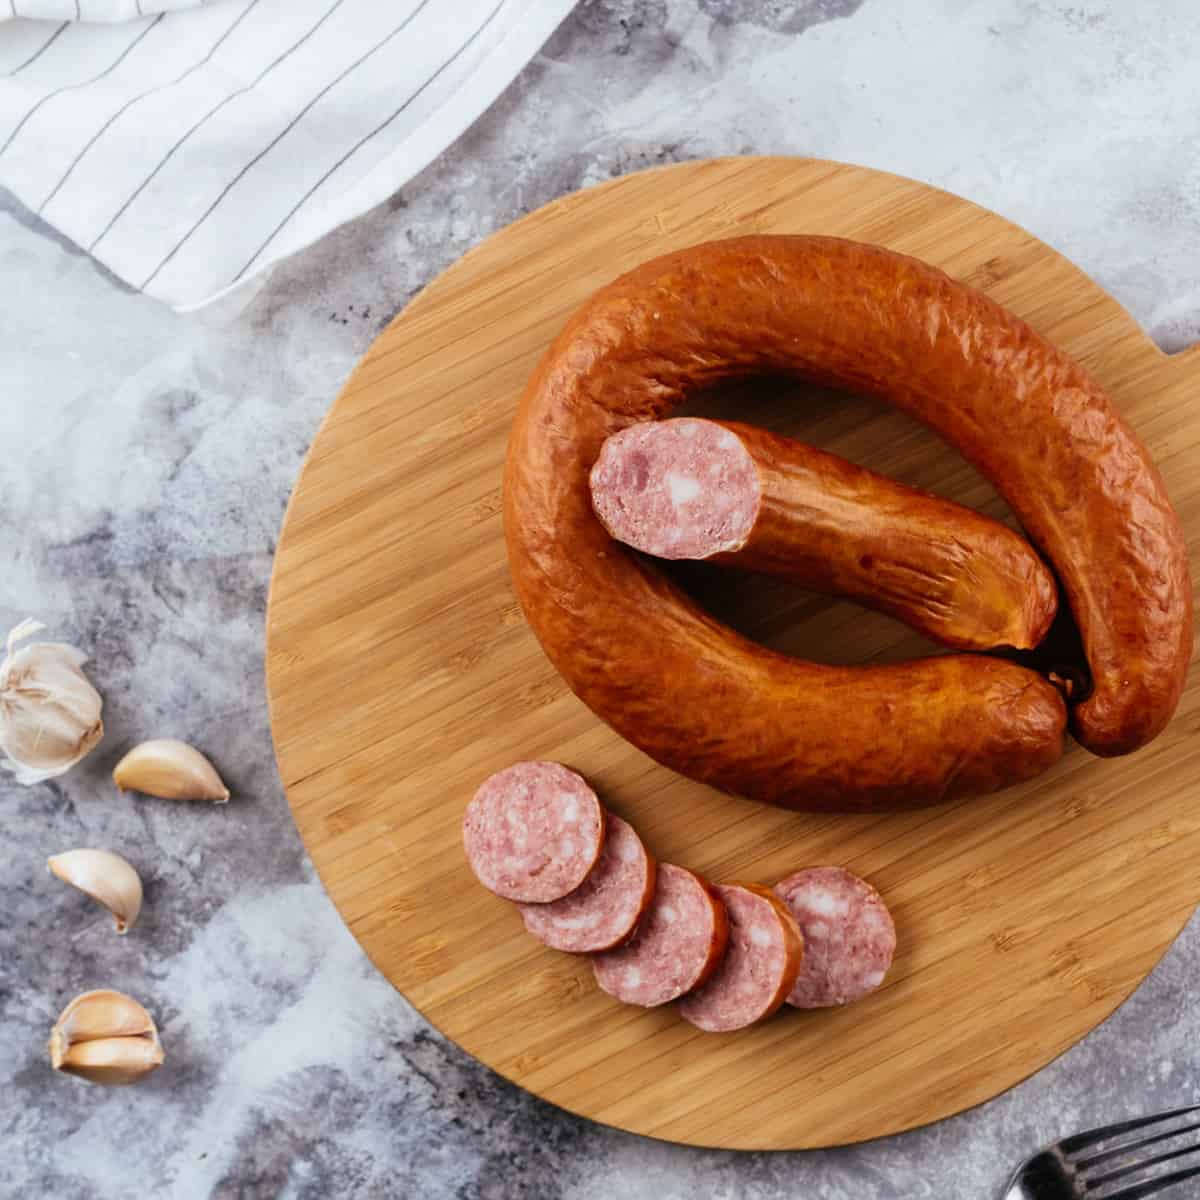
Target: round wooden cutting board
(401,672)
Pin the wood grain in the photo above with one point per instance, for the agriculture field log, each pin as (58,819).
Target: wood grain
(401,673)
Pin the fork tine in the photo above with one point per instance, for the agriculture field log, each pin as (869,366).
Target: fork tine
(1132,1168)
(1081,1141)
(1153,1185)
(1083,1164)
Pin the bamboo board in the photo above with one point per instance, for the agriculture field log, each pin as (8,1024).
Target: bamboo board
(401,673)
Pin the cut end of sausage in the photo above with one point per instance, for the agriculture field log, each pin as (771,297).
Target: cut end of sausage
(533,832)
(760,966)
(684,488)
(849,936)
(603,910)
(677,946)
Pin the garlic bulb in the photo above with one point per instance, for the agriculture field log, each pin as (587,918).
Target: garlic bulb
(49,712)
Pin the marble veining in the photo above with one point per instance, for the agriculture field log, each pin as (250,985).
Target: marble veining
(147,459)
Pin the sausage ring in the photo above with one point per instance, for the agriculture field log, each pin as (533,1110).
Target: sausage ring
(719,708)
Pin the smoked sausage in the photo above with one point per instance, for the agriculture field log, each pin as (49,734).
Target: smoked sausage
(724,710)
(740,496)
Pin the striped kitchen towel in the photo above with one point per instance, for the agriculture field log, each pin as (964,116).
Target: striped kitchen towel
(190,150)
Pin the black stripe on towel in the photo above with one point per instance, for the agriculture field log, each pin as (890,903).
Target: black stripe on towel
(153,91)
(277,139)
(42,48)
(74,87)
(212,112)
(341,162)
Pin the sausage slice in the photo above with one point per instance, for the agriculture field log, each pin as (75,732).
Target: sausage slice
(849,936)
(760,965)
(676,947)
(603,910)
(533,832)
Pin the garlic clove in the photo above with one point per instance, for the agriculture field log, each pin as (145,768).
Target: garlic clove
(100,1014)
(49,711)
(105,1037)
(112,1061)
(108,878)
(172,770)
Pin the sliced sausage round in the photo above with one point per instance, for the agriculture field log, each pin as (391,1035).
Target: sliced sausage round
(603,910)
(760,965)
(533,832)
(676,947)
(849,936)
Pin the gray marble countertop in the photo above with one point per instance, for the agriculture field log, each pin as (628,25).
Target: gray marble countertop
(147,460)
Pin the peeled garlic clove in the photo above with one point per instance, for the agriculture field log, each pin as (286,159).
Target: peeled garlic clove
(104,876)
(105,1037)
(49,712)
(172,770)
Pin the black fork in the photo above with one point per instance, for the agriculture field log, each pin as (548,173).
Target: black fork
(1124,1161)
